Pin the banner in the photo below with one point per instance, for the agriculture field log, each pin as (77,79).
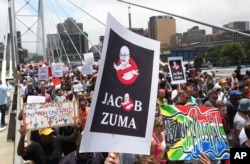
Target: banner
(191,130)
(122,109)
(55,114)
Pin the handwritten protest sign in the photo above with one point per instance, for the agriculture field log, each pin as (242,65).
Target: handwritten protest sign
(191,130)
(43,73)
(120,114)
(55,114)
(57,70)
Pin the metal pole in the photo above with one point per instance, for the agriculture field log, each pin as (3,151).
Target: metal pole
(188,19)
(13,52)
(41,16)
(129,18)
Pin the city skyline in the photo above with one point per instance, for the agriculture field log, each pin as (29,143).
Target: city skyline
(211,12)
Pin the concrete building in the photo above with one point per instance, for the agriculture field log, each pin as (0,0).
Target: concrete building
(54,47)
(194,35)
(163,29)
(239,25)
(73,39)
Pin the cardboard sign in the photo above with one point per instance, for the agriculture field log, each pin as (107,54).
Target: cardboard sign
(65,69)
(35,99)
(177,71)
(43,73)
(191,130)
(56,114)
(87,70)
(57,70)
(121,112)
(89,58)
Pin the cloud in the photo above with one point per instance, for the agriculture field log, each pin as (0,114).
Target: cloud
(212,12)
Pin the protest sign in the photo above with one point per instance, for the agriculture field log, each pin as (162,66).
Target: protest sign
(43,73)
(55,114)
(89,58)
(122,109)
(87,70)
(192,130)
(65,69)
(35,99)
(177,71)
(57,70)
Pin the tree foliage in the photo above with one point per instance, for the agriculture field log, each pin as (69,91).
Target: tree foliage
(36,58)
(227,54)
(234,51)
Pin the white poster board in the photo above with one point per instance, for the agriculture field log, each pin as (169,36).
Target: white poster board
(65,69)
(43,73)
(55,114)
(89,58)
(118,93)
(87,70)
(35,99)
(57,70)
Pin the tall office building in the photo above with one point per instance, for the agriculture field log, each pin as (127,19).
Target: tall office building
(53,47)
(73,39)
(163,29)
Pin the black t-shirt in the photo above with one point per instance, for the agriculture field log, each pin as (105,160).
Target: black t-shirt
(46,154)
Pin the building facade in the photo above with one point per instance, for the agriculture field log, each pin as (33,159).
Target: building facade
(74,40)
(194,35)
(163,29)
(239,25)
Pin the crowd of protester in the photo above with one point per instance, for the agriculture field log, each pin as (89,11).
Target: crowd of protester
(231,95)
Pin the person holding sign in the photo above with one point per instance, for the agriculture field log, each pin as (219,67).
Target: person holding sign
(48,150)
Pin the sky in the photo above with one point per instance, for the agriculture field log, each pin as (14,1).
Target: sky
(214,12)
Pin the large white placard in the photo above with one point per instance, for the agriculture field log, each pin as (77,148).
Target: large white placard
(123,107)
(55,114)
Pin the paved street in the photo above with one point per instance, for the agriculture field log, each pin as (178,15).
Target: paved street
(6,147)
(8,153)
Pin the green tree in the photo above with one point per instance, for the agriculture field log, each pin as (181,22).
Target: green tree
(36,58)
(235,52)
(198,62)
(214,54)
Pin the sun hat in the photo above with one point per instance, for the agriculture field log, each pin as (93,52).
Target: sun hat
(244,105)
